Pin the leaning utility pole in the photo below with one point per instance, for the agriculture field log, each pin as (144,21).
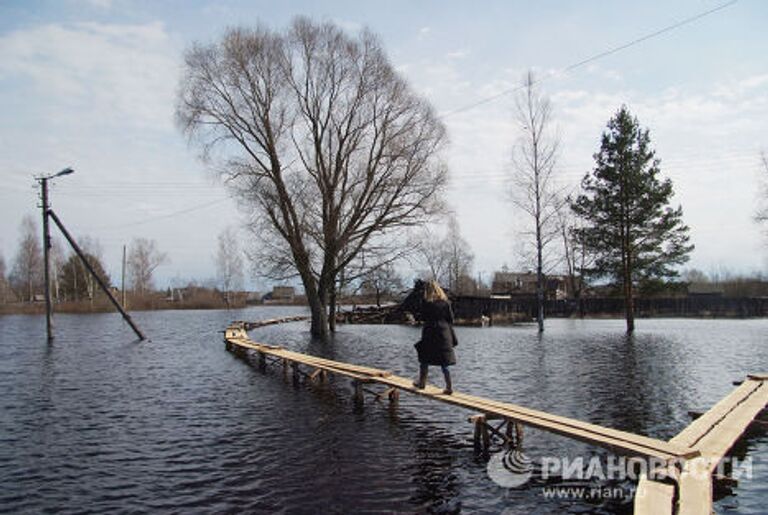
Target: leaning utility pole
(96,276)
(122,281)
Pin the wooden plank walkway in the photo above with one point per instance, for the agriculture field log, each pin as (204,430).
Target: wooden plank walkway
(618,441)
(691,456)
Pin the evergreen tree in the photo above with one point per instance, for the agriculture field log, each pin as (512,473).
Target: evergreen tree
(629,225)
(76,282)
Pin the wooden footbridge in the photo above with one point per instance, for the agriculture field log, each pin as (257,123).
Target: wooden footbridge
(681,484)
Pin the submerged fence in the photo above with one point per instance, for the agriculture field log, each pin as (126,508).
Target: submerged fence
(466,307)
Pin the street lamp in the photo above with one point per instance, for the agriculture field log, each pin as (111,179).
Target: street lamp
(65,171)
(47,245)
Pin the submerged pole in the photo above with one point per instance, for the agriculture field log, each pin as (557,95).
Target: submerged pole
(99,280)
(46,260)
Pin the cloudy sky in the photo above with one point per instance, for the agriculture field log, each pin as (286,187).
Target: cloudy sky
(91,84)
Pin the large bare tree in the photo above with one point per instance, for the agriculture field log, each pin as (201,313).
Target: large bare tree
(27,273)
(321,139)
(143,258)
(229,263)
(534,156)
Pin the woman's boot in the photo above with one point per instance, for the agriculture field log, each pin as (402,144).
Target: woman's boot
(448,384)
(422,381)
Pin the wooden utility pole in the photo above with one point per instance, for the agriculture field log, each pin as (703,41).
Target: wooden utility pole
(46,260)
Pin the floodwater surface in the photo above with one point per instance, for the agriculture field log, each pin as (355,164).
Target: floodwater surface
(98,422)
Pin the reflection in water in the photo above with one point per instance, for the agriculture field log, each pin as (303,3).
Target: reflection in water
(98,420)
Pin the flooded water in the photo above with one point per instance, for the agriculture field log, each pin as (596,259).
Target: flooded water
(98,422)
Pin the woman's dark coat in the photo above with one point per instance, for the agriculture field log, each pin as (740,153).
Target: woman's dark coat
(437,336)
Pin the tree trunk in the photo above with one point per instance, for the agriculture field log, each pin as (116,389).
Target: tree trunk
(629,301)
(540,299)
(630,311)
(319,326)
(539,278)
(332,310)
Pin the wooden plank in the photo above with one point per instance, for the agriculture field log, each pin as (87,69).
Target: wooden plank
(689,436)
(721,437)
(272,321)
(297,357)
(695,489)
(626,444)
(599,430)
(653,497)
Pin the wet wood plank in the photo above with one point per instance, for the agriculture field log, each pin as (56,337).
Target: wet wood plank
(654,498)
(715,432)
(619,441)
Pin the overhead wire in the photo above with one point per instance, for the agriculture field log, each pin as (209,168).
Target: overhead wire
(162,217)
(591,59)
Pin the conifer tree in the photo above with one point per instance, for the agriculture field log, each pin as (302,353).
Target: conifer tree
(629,223)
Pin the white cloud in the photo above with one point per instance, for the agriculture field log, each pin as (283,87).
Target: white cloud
(100,97)
(101,4)
(349,26)
(458,54)
(708,142)
(124,73)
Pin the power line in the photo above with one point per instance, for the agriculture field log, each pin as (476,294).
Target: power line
(593,58)
(163,217)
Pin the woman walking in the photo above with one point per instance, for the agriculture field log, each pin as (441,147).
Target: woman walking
(437,336)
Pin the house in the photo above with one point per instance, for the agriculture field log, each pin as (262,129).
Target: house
(281,294)
(511,284)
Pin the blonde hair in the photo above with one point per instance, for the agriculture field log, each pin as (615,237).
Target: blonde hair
(433,292)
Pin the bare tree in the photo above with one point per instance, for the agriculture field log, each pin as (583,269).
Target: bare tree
(143,258)
(94,253)
(3,281)
(381,282)
(694,276)
(576,254)
(534,157)
(58,259)
(447,259)
(321,139)
(27,273)
(431,255)
(460,258)
(229,263)
(762,214)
